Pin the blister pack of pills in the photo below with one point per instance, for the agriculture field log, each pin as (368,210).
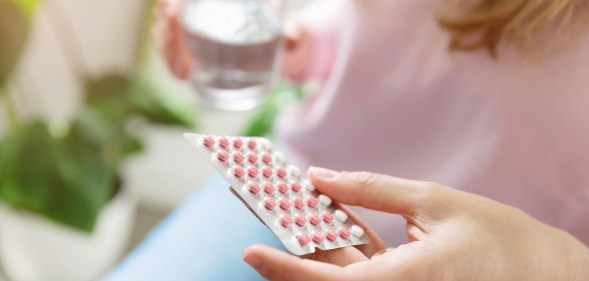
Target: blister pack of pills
(279,194)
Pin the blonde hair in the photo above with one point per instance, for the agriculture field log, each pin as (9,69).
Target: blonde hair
(491,24)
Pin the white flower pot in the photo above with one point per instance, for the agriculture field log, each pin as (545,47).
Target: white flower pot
(33,248)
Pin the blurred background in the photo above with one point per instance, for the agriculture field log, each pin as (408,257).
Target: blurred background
(82,78)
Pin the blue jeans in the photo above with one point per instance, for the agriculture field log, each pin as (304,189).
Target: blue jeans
(202,239)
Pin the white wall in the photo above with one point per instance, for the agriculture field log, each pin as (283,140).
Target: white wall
(104,31)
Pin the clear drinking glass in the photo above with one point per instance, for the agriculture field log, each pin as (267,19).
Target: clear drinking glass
(236,48)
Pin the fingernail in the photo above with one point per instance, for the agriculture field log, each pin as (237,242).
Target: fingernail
(254,261)
(322,173)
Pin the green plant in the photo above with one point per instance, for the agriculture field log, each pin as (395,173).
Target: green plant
(68,174)
(283,95)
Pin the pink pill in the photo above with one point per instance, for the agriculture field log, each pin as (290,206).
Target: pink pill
(303,239)
(327,217)
(238,172)
(284,204)
(298,203)
(252,144)
(253,188)
(312,201)
(267,158)
(208,142)
(238,157)
(269,204)
(268,188)
(252,172)
(317,237)
(267,172)
(285,221)
(223,142)
(300,220)
(331,235)
(314,220)
(237,143)
(252,158)
(344,232)
(281,173)
(295,186)
(282,187)
(223,156)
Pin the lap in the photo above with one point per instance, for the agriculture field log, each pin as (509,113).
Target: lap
(202,239)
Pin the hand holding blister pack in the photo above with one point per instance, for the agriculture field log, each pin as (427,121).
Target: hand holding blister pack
(279,194)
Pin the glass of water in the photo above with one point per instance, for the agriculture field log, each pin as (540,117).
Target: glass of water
(236,48)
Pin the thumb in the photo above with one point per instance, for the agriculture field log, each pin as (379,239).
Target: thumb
(274,264)
(373,191)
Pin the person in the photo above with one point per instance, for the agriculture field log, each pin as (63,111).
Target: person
(487,97)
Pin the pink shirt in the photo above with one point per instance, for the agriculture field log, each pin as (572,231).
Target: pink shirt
(395,101)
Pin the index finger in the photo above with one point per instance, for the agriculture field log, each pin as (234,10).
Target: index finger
(372,191)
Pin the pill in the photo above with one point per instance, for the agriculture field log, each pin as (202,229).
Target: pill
(237,172)
(294,171)
(265,144)
(223,142)
(252,144)
(309,186)
(303,239)
(281,173)
(314,219)
(298,203)
(267,158)
(285,221)
(300,220)
(268,187)
(295,186)
(357,231)
(340,215)
(238,157)
(284,204)
(267,172)
(208,142)
(343,232)
(330,235)
(253,188)
(269,204)
(325,200)
(252,158)
(279,157)
(223,156)
(327,217)
(237,143)
(252,172)
(282,187)
(312,201)
(317,237)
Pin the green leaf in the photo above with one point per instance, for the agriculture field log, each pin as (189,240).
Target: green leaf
(261,124)
(283,95)
(123,96)
(14,29)
(66,180)
(27,7)
(151,102)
